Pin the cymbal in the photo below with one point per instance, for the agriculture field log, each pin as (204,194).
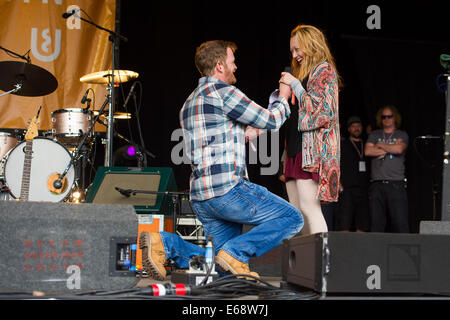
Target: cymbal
(35,80)
(104,77)
(117,115)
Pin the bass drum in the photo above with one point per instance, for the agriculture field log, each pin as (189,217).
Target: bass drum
(49,158)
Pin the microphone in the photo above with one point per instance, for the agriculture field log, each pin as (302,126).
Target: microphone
(129,95)
(84,99)
(124,192)
(289,70)
(58,183)
(66,15)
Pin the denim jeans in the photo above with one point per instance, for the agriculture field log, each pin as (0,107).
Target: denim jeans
(273,218)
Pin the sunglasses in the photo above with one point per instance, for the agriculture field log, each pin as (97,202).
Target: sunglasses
(388,116)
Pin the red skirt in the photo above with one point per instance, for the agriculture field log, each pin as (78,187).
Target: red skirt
(293,169)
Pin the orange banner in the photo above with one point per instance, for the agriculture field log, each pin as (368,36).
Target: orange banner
(66,48)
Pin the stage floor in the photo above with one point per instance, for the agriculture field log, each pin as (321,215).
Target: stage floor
(308,294)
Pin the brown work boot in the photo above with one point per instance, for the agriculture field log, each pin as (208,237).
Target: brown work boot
(227,263)
(153,254)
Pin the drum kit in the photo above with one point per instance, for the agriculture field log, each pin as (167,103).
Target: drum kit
(58,158)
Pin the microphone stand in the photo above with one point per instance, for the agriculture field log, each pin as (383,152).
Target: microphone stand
(58,183)
(114,38)
(174,194)
(27,59)
(17,88)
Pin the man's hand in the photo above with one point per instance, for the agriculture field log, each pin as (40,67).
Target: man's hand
(251,133)
(285,91)
(373,150)
(395,148)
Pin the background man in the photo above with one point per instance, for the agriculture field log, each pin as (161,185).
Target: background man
(388,197)
(353,209)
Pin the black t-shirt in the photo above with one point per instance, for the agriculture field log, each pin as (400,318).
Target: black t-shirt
(293,136)
(351,176)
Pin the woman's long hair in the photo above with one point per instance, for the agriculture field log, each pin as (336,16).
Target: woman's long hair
(315,47)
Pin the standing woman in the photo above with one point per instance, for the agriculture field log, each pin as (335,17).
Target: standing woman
(312,168)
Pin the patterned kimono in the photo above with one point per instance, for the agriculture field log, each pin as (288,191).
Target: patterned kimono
(319,124)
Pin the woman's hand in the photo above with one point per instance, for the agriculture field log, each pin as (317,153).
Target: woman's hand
(286,78)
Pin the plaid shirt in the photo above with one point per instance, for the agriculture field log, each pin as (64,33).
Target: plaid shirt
(214,118)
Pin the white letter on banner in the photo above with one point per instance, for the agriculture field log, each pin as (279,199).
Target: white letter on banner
(47,42)
(56,1)
(59,2)
(73,22)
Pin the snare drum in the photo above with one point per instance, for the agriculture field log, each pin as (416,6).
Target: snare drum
(49,158)
(69,125)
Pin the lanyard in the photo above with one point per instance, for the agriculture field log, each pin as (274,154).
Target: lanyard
(389,138)
(360,153)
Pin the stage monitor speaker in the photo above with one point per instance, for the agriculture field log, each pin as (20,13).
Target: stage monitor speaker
(147,179)
(369,263)
(268,264)
(62,247)
(434,227)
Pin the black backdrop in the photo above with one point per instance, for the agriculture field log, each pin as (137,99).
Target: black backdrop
(397,64)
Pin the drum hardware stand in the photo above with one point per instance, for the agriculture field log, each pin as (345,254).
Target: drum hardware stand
(113,37)
(80,177)
(5,192)
(17,88)
(58,183)
(176,197)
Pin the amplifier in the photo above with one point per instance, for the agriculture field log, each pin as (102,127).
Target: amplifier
(66,248)
(352,262)
(103,190)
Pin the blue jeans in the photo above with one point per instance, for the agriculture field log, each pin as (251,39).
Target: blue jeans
(273,218)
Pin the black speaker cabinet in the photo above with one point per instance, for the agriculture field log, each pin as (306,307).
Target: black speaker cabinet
(350,262)
(145,179)
(434,227)
(268,264)
(62,247)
